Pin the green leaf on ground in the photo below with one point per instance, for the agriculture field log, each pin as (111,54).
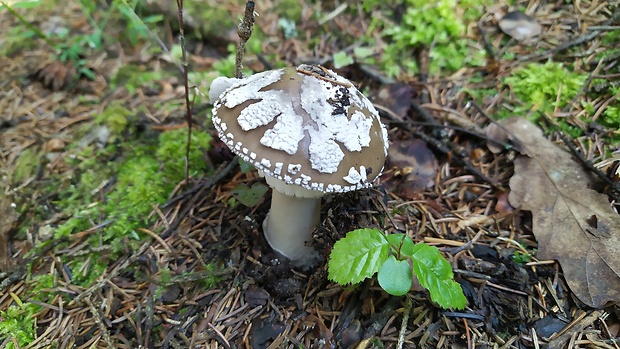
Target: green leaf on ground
(357,256)
(395,276)
(342,59)
(435,274)
(249,196)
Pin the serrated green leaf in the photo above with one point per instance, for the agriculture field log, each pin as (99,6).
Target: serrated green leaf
(395,276)
(435,274)
(342,59)
(249,196)
(357,256)
(406,246)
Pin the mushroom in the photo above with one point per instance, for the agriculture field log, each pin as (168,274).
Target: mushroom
(309,131)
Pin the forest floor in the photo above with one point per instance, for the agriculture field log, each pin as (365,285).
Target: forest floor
(104,242)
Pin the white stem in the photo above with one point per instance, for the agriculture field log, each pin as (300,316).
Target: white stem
(289,225)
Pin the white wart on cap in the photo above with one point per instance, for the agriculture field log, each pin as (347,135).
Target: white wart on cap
(305,126)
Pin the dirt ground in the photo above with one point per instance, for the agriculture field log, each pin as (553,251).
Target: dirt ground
(204,277)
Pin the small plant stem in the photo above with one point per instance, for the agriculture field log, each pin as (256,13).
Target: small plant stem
(403,325)
(244,31)
(188,105)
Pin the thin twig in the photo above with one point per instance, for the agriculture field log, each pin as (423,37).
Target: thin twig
(188,105)
(99,322)
(244,31)
(403,325)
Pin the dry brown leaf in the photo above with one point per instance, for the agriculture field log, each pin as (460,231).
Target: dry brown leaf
(411,168)
(573,224)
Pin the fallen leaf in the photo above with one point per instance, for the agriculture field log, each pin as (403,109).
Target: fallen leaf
(573,224)
(411,168)
(256,296)
(396,97)
(249,196)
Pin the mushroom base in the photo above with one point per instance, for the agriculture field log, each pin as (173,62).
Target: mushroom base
(289,224)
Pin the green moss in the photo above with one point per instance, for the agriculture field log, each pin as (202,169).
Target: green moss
(143,176)
(18,322)
(538,85)
(133,77)
(288,9)
(87,272)
(212,281)
(115,117)
(611,114)
(439,26)
(26,165)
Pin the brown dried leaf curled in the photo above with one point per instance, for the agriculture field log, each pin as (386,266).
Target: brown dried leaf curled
(573,224)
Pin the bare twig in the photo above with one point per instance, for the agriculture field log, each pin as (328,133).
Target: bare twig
(99,322)
(244,31)
(188,105)
(403,326)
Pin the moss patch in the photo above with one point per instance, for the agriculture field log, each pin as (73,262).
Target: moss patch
(18,322)
(438,26)
(143,176)
(539,85)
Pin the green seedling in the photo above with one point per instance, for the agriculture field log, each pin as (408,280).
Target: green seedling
(395,258)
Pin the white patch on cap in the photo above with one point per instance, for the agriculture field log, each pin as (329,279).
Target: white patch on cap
(294,168)
(238,146)
(245,150)
(260,113)
(356,133)
(253,156)
(386,143)
(329,109)
(230,135)
(355,177)
(235,95)
(278,168)
(265,163)
(285,134)
(306,179)
(325,154)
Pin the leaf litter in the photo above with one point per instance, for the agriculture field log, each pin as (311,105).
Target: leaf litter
(572,223)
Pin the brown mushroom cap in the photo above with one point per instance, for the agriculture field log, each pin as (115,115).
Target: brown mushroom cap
(305,126)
